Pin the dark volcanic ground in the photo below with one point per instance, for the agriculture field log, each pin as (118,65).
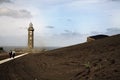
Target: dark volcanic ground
(97,60)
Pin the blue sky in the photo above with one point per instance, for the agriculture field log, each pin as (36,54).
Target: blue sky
(57,22)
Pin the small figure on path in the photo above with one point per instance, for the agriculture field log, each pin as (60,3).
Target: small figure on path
(10,53)
(13,54)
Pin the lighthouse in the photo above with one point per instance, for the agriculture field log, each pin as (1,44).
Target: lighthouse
(30,36)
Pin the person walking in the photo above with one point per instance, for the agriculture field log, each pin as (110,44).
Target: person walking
(13,53)
(10,53)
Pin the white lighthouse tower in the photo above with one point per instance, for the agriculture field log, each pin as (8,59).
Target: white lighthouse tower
(30,36)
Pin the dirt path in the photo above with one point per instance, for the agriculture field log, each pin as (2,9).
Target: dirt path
(9,59)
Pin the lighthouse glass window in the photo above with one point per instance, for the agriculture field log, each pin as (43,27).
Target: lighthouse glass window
(30,32)
(30,38)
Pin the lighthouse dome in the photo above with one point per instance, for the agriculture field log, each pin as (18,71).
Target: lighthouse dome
(30,27)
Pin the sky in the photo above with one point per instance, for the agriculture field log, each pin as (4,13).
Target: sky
(57,22)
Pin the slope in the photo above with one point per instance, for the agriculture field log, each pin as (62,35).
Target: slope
(97,60)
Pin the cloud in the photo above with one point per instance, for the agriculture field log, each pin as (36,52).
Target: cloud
(95,33)
(72,1)
(50,27)
(23,28)
(69,20)
(109,31)
(56,2)
(113,31)
(114,0)
(13,40)
(92,4)
(5,1)
(15,13)
(69,33)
